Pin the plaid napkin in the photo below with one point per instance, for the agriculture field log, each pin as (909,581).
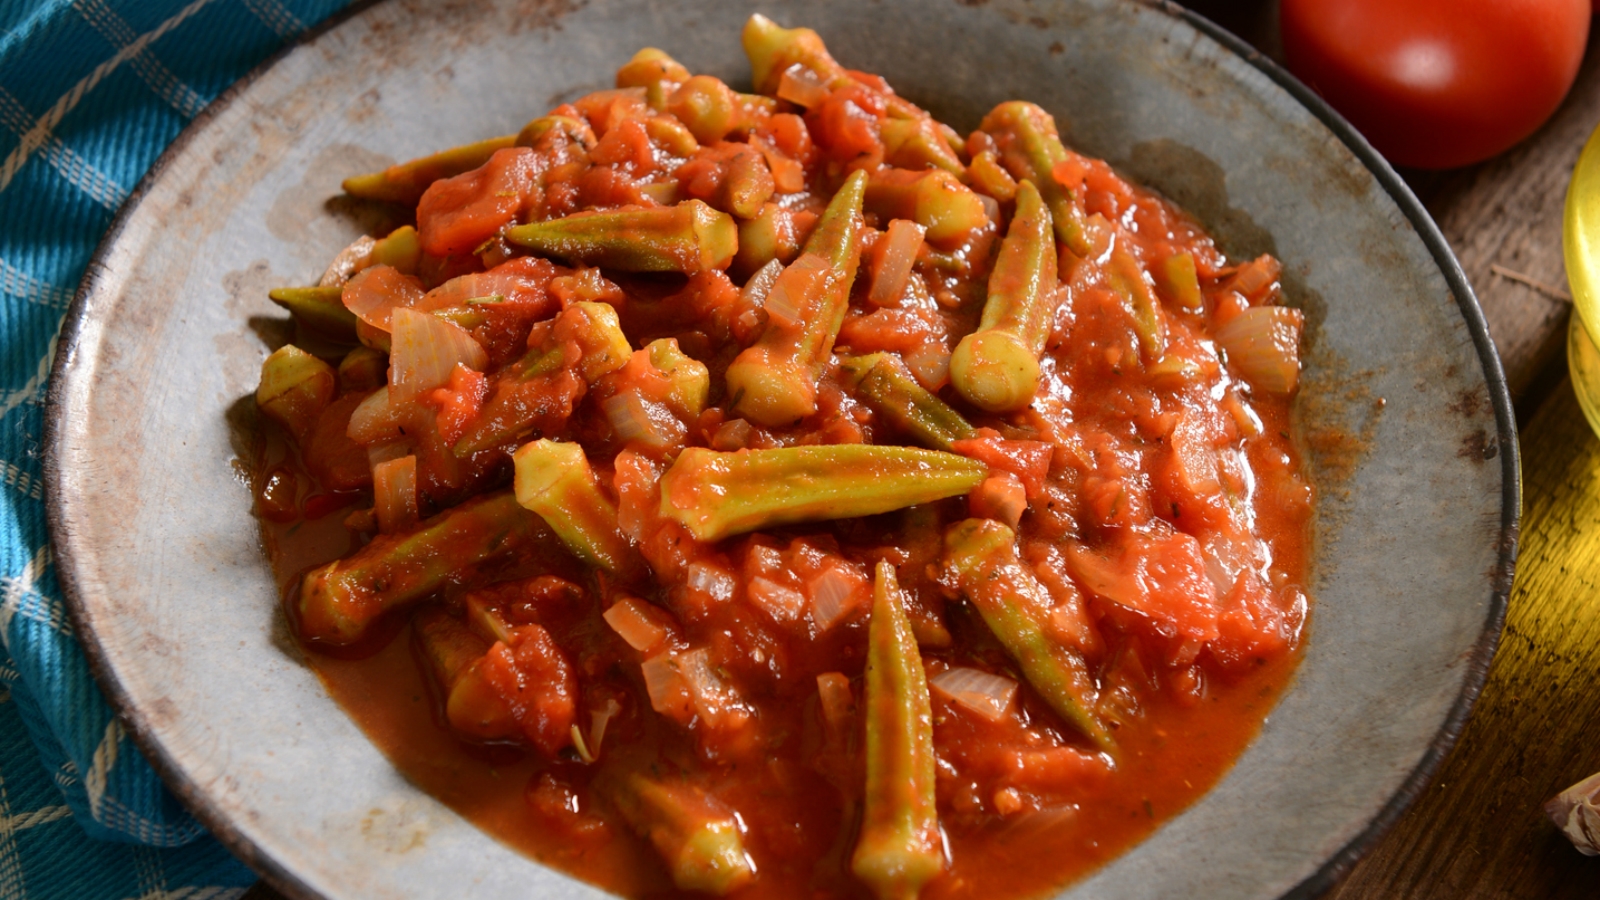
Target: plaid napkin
(91,92)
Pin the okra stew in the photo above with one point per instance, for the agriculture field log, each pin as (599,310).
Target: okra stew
(780,494)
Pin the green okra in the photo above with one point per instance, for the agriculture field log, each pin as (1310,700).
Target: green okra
(650,67)
(899,848)
(688,379)
(774,380)
(689,237)
(711,110)
(933,198)
(295,388)
(772,50)
(340,600)
(699,838)
(767,237)
(1128,280)
(1178,277)
(884,382)
(363,369)
(401,250)
(319,308)
(717,494)
(919,144)
(982,554)
(570,129)
(747,186)
(997,367)
(555,481)
(472,706)
(1030,148)
(405,182)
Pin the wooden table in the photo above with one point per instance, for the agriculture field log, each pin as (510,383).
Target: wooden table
(1478,831)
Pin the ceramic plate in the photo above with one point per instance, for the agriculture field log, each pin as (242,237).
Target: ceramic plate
(1409,430)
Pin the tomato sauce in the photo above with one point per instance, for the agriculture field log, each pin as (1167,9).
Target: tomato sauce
(542,536)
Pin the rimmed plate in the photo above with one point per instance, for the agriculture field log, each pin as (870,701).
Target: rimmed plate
(1408,424)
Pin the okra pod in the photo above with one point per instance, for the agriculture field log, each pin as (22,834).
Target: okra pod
(933,198)
(918,144)
(711,110)
(295,388)
(320,308)
(566,129)
(699,838)
(899,848)
(774,380)
(997,367)
(1029,146)
(363,369)
(688,379)
(772,50)
(340,600)
(555,481)
(455,653)
(650,67)
(1128,280)
(772,234)
(884,382)
(405,182)
(597,330)
(717,494)
(690,237)
(982,554)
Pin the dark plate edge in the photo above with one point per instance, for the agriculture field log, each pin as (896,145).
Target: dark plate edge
(138,727)
(1318,883)
(1482,653)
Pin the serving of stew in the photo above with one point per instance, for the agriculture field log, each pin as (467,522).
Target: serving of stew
(781,494)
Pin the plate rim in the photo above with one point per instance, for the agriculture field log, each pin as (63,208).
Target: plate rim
(287,881)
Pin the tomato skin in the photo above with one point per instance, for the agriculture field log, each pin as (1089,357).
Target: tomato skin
(1438,83)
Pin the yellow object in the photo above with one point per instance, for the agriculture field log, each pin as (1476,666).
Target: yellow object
(1581,248)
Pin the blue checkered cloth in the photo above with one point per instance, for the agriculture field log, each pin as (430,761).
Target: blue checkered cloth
(91,92)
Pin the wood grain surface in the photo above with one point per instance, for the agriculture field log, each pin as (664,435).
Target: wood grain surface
(1478,831)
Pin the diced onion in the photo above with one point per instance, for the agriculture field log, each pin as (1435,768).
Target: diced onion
(801,86)
(711,579)
(986,694)
(895,259)
(991,207)
(835,594)
(838,702)
(598,720)
(350,260)
(669,693)
(636,419)
(394,494)
(628,618)
(424,350)
(783,604)
(755,290)
(713,699)
(795,293)
(930,365)
(1263,345)
(382,453)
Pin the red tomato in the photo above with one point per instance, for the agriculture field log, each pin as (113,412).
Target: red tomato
(1438,83)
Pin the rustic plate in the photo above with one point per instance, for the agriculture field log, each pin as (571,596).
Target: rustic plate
(1409,428)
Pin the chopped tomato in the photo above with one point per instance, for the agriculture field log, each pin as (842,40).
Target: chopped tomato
(457,214)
